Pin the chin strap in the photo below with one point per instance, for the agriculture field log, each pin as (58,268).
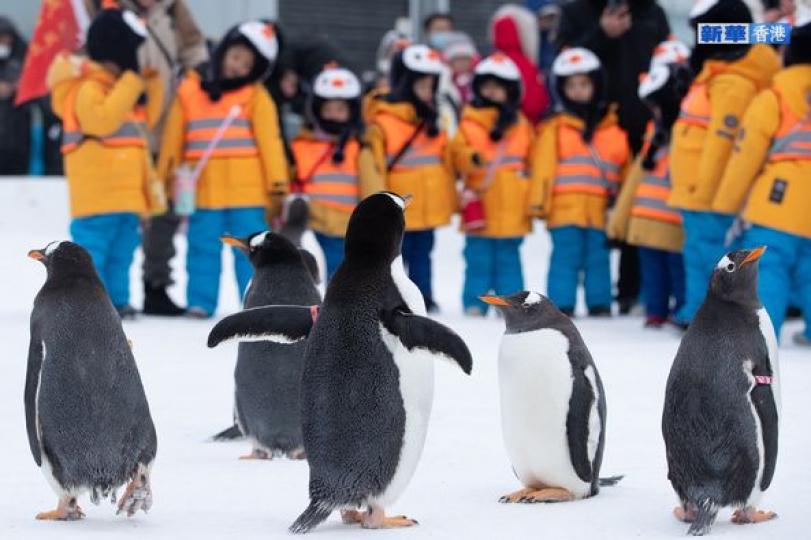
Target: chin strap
(314,311)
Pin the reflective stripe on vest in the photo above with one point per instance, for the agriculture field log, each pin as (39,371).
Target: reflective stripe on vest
(695,107)
(424,150)
(130,133)
(204,118)
(584,174)
(792,141)
(331,184)
(650,199)
(516,144)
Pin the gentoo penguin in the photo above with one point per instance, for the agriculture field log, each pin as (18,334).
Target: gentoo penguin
(86,414)
(552,402)
(267,404)
(295,227)
(722,402)
(368,376)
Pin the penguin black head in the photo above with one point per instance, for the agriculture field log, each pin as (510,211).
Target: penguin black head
(64,259)
(265,248)
(735,277)
(526,311)
(376,227)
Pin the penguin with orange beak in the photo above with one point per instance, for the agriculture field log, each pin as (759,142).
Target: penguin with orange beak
(553,406)
(267,405)
(722,402)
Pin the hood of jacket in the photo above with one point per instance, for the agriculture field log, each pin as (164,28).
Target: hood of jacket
(68,71)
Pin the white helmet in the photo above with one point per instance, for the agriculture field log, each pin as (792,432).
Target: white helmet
(500,66)
(337,83)
(653,80)
(671,51)
(423,59)
(262,36)
(575,61)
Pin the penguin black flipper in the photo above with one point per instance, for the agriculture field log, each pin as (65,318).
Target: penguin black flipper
(417,332)
(35,356)
(278,324)
(311,264)
(763,399)
(581,405)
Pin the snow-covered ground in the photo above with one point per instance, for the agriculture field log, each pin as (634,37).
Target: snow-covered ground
(202,491)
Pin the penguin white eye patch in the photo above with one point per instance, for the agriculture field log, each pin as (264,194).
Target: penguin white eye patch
(727,264)
(50,248)
(259,239)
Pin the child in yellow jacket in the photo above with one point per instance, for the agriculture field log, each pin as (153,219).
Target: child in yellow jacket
(578,159)
(332,166)
(105,150)
(491,149)
(247,169)
(768,181)
(412,151)
(642,216)
(728,77)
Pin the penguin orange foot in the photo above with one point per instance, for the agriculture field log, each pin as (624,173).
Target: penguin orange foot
(352,517)
(751,515)
(137,495)
(66,510)
(548,495)
(297,454)
(516,496)
(687,515)
(375,518)
(257,453)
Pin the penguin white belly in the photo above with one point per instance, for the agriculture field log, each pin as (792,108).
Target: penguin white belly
(535,378)
(416,388)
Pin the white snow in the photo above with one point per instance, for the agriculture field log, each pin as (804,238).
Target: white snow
(202,491)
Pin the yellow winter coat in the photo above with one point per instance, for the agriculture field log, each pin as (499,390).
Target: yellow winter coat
(703,135)
(573,183)
(231,178)
(771,162)
(106,172)
(506,197)
(334,189)
(424,172)
(647,225)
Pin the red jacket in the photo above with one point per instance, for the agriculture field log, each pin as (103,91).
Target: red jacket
(511,33)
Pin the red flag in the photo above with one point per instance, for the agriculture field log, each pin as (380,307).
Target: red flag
(61,26)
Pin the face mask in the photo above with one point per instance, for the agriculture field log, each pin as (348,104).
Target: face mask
(438,40)
(5,51)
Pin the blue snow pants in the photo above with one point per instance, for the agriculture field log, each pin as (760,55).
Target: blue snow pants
(662,280)
(492,265)
(576,251)
(784,273)
(111,240)
(204,258)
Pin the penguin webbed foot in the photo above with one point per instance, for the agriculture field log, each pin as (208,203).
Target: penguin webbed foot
(544,495)
(375,518)
(685,514)
(66,510)
(752,515)
(137,495)
(257,453)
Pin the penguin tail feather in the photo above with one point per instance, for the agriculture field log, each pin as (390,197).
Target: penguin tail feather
(611,480)
(706,511)
(229,434)
(315,514)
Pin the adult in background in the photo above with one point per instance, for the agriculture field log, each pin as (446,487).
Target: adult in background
(439,31)
(174,45)
(15,122)
(623,34)
(514,32)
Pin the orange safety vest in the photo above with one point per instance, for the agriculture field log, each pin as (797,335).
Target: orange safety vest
(695,107)
(650,200)
(511,151)
(130,133)
(581,167)
(423,151)
(204,117)
(327,183)
(792,140)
